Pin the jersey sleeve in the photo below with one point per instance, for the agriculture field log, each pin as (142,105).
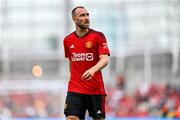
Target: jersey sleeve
(66,51)
(102,45)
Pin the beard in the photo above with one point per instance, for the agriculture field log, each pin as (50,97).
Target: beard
(83,26)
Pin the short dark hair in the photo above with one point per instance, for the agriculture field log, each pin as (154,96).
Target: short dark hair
(73,11)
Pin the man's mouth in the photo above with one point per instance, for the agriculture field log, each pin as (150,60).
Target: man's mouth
(86,22)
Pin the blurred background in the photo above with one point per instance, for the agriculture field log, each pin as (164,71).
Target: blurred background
(142,79)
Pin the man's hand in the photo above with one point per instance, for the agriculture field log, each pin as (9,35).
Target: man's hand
(88,74)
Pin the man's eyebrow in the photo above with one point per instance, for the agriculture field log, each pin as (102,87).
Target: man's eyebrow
(84,14)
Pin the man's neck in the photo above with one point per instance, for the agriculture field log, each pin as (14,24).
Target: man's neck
(81,32)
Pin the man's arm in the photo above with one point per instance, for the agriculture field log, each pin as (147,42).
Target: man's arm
(88,74)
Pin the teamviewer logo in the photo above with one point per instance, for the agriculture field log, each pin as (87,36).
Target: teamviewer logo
(89,56)
(82,57)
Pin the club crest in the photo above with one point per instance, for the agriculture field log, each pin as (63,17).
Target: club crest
(88,44)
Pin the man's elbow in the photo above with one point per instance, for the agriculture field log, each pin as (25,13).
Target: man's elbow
(106,60)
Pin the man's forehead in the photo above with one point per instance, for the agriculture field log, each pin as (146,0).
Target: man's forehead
(80,10)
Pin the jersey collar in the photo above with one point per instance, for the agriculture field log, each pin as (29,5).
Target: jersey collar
(83,35)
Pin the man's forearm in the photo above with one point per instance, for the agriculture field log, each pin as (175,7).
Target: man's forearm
(104,59)
(88,74)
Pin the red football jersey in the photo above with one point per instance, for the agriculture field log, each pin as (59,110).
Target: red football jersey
(83,53)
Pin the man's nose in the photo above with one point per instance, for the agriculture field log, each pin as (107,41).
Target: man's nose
(86,16)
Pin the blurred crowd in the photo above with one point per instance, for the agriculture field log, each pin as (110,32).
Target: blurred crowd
(20,104)
(154,100)
(148,100)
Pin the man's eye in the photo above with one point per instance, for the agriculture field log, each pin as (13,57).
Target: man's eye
(82,15)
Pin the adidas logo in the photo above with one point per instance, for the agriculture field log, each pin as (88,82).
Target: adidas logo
(98,112)
(72,46)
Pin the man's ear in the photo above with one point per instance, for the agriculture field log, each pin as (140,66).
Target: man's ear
(74,18)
